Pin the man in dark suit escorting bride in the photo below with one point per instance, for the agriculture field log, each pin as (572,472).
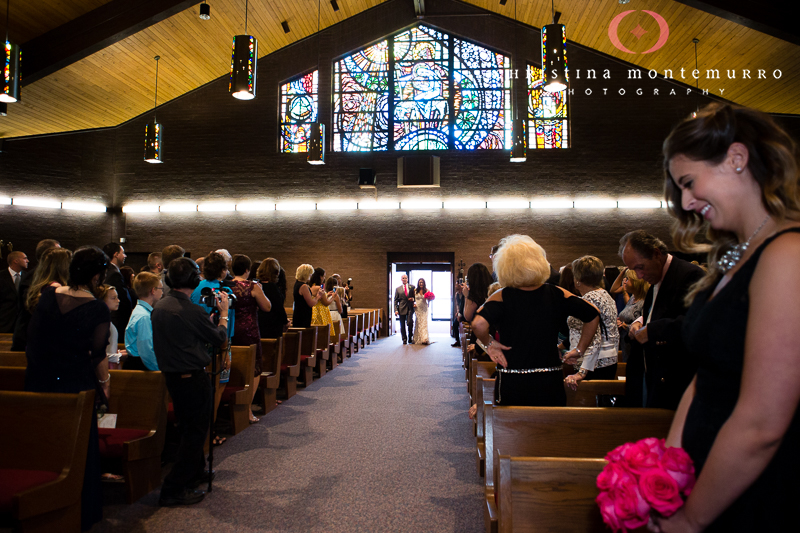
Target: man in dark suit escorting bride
(404,308)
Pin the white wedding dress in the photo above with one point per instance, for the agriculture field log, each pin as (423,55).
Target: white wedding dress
(421,327)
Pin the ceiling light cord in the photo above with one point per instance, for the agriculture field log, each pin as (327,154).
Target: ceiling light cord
(245,16)
(155,99)
(8,12)
(695,41)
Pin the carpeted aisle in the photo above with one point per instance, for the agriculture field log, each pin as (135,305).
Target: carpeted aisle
(382,443)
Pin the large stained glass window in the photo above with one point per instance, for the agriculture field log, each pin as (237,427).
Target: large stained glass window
(548,125)
(422,90)
(299,99)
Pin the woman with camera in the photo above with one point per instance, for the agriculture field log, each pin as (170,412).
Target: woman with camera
(249,299)
(304,300)
(320,313)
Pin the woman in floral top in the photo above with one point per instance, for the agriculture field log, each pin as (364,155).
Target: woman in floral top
(600,359)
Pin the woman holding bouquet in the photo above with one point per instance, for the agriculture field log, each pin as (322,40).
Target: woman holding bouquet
(733,172)
(422,297)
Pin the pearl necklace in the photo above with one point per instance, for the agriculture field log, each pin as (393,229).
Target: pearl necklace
(90,292)
(734,255)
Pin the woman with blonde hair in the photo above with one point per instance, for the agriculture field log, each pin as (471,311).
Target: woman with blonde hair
(52,271)
(304,301)
(635,290)
(527,313)
(733,172)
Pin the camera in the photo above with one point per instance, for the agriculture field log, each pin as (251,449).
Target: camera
(208,297)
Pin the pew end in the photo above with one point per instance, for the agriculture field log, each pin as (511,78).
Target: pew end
(271,355)
(588,392)
(238,394)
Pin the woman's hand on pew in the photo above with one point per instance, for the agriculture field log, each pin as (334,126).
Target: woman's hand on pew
(473,411)
(495,353)
(573,380)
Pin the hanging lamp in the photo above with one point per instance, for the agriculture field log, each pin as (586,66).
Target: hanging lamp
(12,57)
(243,64)
(554,55)
(316,139)
(518,146)
(152,132)
(697,83)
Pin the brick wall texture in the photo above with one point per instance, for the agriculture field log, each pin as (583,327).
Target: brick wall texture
(218,148)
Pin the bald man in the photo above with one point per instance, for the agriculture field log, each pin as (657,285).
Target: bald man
(10,280)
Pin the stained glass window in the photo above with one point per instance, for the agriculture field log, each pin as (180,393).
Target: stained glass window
(429,89)
(548,125)
(299,99)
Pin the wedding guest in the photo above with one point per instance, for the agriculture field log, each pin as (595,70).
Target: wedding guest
(475,290)
(250,300)
(108,295)
(66,353)
(10,281)
(122,314)
(635,290)
(20,338)
(168,254)
(732,173)
(52,271)
(304,301)
(274,322)
(599,361)
(139,333)
(154,263)
(336,301)
(527,314)
(320,313)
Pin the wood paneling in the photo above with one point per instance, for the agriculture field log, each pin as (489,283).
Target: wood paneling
(117,83)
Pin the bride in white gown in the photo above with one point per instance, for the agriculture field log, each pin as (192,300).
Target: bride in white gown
(422,297)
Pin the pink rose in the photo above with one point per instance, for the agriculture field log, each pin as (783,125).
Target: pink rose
(612,475)
(643,456)
(677,463)
(618,453)
(607,510)
(660,491)
(631,509)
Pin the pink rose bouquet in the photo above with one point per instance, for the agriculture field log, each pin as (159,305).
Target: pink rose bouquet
(642,478)
(429,296)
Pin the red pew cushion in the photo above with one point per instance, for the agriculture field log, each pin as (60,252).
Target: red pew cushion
(230,391)
(16,481)
(112,440)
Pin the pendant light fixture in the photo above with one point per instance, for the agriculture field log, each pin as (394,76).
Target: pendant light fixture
(697,83)
(243,64)
(152,132)
(518,146)
(12,56)
(205,11)
(554,55)
(316,139)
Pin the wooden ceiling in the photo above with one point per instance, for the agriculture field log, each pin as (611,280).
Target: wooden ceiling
(116,83)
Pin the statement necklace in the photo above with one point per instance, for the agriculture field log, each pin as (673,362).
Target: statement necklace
(734,255)
(90,292)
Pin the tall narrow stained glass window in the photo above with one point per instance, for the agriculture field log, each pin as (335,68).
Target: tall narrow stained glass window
(548,124)
(430,90)
(299,106)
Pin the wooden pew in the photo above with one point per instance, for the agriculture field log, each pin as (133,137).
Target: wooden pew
(478,368)
(337,344)
(8,358)
(484,388)
(308,351)
(12,378)
(622,369)
(139,399)
(588,391)
(238,394)
(543,494)
(353,333)
(322,349)
(561,432)
(290,363)
(42,466)
(349,341)
(271,356)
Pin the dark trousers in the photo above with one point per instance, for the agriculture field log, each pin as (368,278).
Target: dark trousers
(407,319)
(192,400)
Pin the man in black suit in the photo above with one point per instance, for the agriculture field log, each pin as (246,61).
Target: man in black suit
(121,316)
(404,308)
(668,369)
(10,280)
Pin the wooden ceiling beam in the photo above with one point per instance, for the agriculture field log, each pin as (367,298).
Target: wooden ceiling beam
(770,17)
(93,31)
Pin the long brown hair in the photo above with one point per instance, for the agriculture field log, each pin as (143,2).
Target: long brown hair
(53,267)
(772,161)
(424,288)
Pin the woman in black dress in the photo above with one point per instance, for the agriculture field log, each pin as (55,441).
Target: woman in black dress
(475,291)
(304,301)
(528,313)
(733,172)
(271,323)
(66,352)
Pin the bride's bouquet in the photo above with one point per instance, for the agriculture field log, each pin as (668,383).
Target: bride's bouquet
(641,478)
(429,296)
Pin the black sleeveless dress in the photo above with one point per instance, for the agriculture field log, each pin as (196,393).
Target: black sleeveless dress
(715,333)
(301,318)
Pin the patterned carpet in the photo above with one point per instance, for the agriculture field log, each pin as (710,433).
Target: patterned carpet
(382,443)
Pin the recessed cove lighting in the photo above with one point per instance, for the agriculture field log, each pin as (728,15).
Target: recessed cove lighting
(508,204)
(5,201)
(421,204)
(256,206)
(337,205)
(639,203)
(374,205)
(212,207)
(37,202)
(84,206)
(551,203)
(296,206)
(178,208)
(465,204)
(140,208)
(595,203)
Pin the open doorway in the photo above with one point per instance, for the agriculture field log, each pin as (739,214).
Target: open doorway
(436,268)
